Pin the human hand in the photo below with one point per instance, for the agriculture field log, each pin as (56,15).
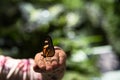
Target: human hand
(46,64)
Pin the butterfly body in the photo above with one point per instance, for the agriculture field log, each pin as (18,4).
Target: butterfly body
(48,48)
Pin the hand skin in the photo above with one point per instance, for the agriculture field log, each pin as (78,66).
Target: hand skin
(49,64)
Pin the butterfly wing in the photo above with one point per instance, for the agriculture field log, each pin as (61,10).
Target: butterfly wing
(48,48)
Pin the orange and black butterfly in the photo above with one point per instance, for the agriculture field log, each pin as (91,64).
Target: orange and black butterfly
(48,48)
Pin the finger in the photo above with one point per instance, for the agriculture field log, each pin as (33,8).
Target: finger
(37,57)
(62,57)
(48,64)
(39,60)
(55,60)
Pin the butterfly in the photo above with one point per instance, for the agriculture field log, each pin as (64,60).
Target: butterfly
(48,48)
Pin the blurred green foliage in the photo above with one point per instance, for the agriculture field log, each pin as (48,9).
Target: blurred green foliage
(77,26)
